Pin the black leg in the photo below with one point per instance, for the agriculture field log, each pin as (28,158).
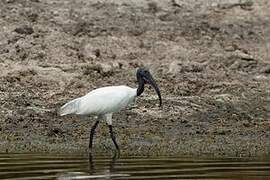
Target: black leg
(92,132)
(113,139)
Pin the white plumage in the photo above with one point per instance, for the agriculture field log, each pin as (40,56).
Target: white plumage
(101,101)
(105,101)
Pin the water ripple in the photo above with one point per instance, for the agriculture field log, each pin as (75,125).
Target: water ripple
(71,167)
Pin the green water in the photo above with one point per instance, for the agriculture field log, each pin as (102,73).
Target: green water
(67,167)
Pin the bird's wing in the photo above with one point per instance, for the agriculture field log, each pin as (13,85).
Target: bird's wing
(106,100)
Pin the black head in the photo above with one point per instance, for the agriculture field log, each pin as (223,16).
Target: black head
(144,77)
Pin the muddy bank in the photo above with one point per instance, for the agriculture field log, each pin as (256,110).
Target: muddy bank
(211,61)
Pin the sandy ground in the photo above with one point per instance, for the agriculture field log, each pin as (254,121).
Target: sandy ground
(210,59)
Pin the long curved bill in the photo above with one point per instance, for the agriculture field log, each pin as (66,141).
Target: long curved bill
(149,79)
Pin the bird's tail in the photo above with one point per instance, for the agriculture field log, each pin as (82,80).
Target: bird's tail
(70,107)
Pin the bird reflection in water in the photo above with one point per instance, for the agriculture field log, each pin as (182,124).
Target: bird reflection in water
(93,172)
(111,169)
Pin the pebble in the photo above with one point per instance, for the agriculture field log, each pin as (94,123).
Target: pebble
(24,30)
(243,55)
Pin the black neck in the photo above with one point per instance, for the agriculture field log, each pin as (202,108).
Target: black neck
(140,88)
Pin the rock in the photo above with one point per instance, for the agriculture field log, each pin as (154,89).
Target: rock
(152,7)
(9,1)
(24,30)
(261,77)
(102,68)
(222,131)
(228,4)
(223,97)
(31,14)
(242,55)
(91,52)
(105,68)
(235,65)
(247,2)
(177,3)
(174,67)
(55,132)
(165,17)
(229,48)
(246,123)
(233,3)
(265,69)
(177,67)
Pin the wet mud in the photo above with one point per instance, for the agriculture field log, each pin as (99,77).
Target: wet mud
(210,59)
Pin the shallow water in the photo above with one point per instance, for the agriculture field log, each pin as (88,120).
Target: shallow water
(67,167)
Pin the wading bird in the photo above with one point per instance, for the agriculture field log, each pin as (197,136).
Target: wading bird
(103,102)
